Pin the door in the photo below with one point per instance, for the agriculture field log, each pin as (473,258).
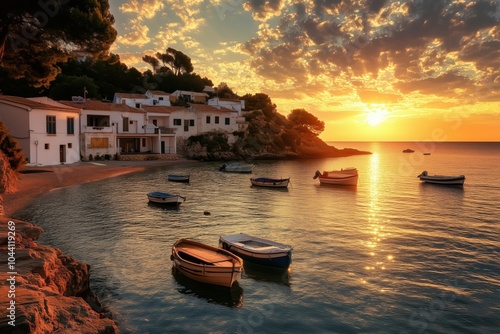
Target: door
(162,147)
(62,153)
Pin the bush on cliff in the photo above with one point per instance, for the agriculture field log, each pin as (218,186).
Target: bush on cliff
(11,149)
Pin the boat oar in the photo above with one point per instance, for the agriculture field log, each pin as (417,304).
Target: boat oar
(184,198)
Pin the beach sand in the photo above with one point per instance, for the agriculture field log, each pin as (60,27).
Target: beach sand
(35,181)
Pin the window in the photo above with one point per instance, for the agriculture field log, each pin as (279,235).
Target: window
(155,122)
(208,119)
(216,119)
(226,121)
(138,105)
(70,122)
(186,125)
(177,121)
(51,125)
(160,98)
(47,146)
(125,124)
(70,145)
(143,142)
(191,122)
(97,120)
(99,142)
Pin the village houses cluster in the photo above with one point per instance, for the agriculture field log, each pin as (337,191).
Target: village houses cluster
(63,132)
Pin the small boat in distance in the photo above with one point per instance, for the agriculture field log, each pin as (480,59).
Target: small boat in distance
(206,264)
(345,176)
(457,180)
(158,197)
(258,250)
(408,150)
(427,153)
(270,182)
(178,178)
(236,167)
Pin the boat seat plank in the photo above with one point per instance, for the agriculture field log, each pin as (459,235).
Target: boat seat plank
(205,255)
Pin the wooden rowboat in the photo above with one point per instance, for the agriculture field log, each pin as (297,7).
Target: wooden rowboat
(206,264)
(269,182)
(178,178)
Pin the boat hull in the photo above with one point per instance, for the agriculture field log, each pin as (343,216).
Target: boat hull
(178,178)
(449,180)
(455,180)
(270,183)
(237,168)
(165,199)
(343,177)
(206,264)
(274,255)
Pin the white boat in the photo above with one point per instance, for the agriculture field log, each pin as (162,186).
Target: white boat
(165,198)
(270,182)
(442,179)
(236,167)
(206,264)
(258,250)
(345,176)
(178,178)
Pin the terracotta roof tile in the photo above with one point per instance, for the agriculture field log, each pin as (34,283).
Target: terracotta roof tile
(102,106)
(35,104)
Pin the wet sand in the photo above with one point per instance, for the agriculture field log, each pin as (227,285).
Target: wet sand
(35,181)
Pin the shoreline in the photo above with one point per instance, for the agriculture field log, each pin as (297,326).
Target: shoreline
(35,181)
(44,285)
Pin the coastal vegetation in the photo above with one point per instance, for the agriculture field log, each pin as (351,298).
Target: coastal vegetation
(11,161)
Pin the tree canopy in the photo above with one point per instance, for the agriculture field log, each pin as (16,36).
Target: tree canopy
(301,118)
(36,35)
(260,101)
(173,61)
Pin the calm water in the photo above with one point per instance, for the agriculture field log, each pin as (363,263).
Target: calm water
(390,256)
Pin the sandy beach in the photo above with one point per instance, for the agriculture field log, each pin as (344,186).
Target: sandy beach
(35,181)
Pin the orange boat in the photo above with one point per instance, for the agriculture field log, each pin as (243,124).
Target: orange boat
(206,264)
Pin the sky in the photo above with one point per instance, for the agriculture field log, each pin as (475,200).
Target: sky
(372,70)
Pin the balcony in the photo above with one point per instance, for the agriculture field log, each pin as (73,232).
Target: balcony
(100,129)
(164,130)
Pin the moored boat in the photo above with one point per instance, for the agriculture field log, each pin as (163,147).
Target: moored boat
(345,176)
(236,167)
(408,150)
(165,198)
(258,250)
(205,263)
(457,180)
(178,178)
(270,182)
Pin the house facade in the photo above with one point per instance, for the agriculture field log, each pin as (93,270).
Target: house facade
(150,98)
(188,96)
(47,131)
(111,128)
(232,104)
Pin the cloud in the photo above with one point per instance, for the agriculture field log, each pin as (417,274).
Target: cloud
(263,10)
(144,9)
(373,96)
(138,36)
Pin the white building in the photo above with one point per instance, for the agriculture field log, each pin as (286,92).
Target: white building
(232,104)
(110,128)
(150,98)
(188,96)
(47,131)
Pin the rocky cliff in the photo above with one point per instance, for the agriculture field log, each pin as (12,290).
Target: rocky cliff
(43,290)
(262,137)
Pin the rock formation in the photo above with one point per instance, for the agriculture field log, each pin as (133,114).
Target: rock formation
(45,291)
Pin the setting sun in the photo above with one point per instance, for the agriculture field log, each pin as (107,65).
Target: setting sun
(375,116)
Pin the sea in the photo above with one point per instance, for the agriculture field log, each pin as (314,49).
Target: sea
(391,255)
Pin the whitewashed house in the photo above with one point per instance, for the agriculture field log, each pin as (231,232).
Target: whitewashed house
(47,131)
(232,104)
(150,98)
(111,128)
(188,96)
